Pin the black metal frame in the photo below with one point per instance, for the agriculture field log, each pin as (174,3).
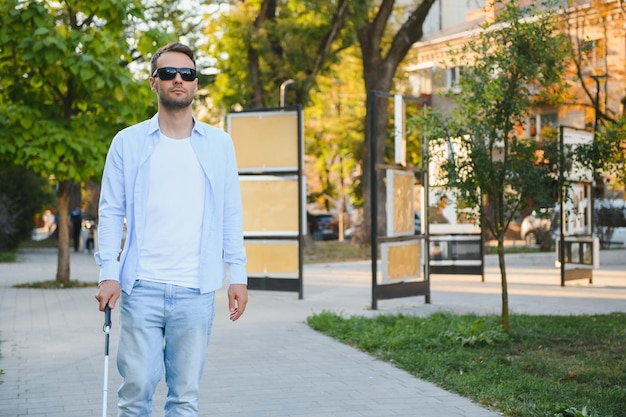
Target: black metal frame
(278,283)
(456,265)
(401,289)
(574,273)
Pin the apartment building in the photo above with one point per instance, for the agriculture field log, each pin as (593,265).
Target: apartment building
(598,31)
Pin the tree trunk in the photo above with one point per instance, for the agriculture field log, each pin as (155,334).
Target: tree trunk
(63,258)
(379,67)
(504,320)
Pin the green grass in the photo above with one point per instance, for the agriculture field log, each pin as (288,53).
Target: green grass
(51,284)
(493,250)
(556,366)
(11,256)
(335,251)
(8,256)
(315,252)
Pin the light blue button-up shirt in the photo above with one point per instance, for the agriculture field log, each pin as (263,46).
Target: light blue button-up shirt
(124,194)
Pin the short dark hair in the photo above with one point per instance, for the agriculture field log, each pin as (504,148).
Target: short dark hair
(171,47)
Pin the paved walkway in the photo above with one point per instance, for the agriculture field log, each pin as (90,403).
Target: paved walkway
(270,363)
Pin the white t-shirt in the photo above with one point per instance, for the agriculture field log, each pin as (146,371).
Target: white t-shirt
(170,250)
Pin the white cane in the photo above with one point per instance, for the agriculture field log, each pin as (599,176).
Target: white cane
(107,329)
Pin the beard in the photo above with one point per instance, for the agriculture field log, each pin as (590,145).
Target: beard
(176,103)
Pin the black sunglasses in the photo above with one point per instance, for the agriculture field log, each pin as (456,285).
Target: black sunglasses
(169,73)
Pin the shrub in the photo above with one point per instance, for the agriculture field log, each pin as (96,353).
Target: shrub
(22,195)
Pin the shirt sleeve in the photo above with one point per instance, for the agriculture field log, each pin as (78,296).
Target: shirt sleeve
(234,250)
(111,214)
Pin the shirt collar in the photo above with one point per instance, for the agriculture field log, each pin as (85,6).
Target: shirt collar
(154,125)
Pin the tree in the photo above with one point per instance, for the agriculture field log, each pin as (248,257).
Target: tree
(609,150)
(257,45)
(606,156)
(65,91)
(334,122)
(515,62)
(382,52)
(262,43)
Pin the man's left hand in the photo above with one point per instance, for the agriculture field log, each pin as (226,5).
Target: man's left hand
(237,300)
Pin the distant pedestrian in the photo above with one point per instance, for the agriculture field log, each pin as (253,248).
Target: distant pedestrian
(435,213)
(76,220)
(49,221)
(91,233)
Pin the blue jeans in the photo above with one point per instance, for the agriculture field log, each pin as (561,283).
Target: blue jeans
(163,326)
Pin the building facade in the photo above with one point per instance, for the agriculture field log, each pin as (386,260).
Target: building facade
(597,74)
(598,32)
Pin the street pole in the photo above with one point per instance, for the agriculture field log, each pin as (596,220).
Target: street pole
(592,190)
(596,104)
(283,87)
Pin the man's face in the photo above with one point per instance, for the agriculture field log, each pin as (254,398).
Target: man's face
(174,94)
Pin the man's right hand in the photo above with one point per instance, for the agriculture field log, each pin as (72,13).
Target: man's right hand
(108,293)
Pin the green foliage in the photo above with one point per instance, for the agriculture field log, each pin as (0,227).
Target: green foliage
(542,363)
(22,195)
(151,24)
(493,250)
(64,90)
(335,251)
(480,332)
(256,48)
(255,52)
(514,64)
(7,256)
(610,216)
(608,151)
(607,217)
(336,146)
(257,45)
(567,411)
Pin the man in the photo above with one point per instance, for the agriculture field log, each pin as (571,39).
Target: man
(174,180)
(435,214)
(76,219)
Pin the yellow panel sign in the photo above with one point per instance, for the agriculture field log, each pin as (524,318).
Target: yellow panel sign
(265,141)
(270,205)
(400,217)
(401,260)
(272,258)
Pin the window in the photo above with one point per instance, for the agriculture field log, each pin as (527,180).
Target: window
(540,122)
(453,76)
(593,53)
(422,82)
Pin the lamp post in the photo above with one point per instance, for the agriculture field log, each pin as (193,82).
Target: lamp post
(596,107)
(283,87)
(596,104)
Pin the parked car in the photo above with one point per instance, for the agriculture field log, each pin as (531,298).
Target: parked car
(323,226)
(537,226)
(609,224)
